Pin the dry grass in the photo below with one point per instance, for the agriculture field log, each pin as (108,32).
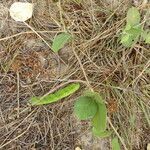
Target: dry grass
(95,58)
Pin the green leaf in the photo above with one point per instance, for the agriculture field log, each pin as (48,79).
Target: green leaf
(115,144)
(99,121)
(126,40)
(103,134)
(147,39)
(58,95)
(144,34)
(85,108)
(94,95)
(130,35)
(60,40)
(127,27)
(134,31)
(133,16)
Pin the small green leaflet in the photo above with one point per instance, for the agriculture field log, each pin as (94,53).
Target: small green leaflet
(126,40)
(133,29)
(85,108)
(99,121)
(60,40)
(115,144)
(133,16)
(130,35)
(103,134)
(58,95)
(147,38)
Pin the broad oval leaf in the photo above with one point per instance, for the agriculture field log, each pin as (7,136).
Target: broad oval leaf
(85,108)
(103,134)
(115,144)
(133,16)
(94,95)
(60,40)
(54,97)
(99,121)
